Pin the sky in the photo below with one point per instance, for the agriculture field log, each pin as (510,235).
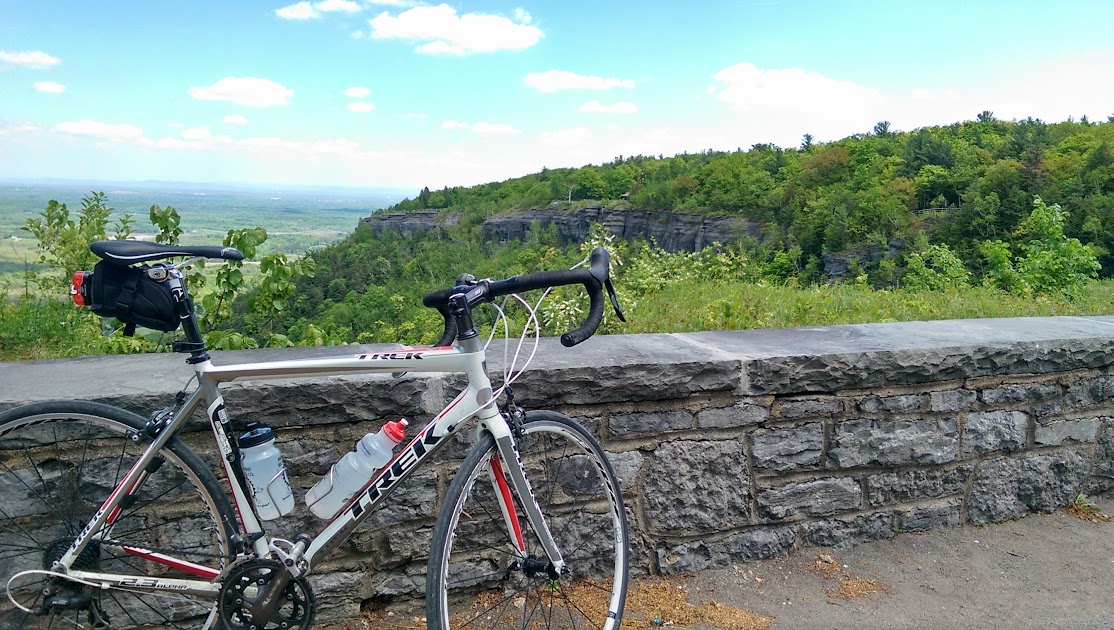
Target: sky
(405,94)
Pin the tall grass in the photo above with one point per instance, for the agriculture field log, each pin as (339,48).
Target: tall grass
(717,305)
(40,329)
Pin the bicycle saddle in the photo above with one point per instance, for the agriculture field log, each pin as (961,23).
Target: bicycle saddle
(128,252)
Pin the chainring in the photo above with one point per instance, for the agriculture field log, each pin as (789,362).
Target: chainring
(244,586)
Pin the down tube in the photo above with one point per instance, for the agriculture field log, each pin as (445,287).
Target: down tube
(430,440)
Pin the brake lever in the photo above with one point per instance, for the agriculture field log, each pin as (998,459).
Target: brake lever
(614,299)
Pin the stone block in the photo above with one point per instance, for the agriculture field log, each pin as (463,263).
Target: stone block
(745,413)
(788,448)
(911,485)
(891,404)
(749,546)
(893,442)
(1089,392)
(1012,393)
(652,422)
(952,400)
(808,408)
(1104,452)
(627,466)
(1006,489)
(926,518)
(849,531)
(697,486)
(332,400)
(995,431)
(821,497)
(333,594)
(1057,432)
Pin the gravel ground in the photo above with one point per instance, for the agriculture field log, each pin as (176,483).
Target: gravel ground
(1043,571)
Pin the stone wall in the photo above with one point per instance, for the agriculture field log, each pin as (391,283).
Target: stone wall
(731,446)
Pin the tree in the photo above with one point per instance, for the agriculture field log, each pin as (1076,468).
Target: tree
(882,129)
(806,142)
(64,244)
(592,184)
(936,269)
(1051,262)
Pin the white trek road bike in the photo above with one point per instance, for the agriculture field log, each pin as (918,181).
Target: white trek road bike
(108,520)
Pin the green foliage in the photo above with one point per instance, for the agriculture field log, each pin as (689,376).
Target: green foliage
(1050,262)
(216,304)
(936,269)
(63,244)
(275,289)
(167,221)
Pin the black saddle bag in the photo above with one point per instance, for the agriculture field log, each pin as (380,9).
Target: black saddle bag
(129,295)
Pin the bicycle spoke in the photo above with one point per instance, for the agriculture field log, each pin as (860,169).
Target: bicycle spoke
(174,513)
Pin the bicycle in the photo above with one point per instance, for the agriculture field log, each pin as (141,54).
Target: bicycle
(110,520)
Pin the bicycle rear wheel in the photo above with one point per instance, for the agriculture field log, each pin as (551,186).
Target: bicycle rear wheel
(476,578)
(59,461)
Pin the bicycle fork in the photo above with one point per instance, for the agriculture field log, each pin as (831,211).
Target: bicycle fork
(506,463)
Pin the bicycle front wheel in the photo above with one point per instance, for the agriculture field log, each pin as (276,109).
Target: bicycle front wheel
(59,462)
(478,578)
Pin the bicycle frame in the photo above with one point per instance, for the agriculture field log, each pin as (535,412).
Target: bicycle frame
(477,399)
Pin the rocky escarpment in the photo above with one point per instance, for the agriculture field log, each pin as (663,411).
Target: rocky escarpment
(671,231)
(411,223)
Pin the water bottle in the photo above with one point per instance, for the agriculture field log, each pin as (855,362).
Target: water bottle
(349,475)
(262,466)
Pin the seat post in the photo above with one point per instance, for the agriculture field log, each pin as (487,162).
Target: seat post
(194,342)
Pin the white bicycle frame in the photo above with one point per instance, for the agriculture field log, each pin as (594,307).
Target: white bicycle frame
(476,399)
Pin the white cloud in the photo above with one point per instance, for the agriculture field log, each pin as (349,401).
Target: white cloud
(745,87)
(297,11)
(597,107)
(101,131)
(556,80)
(357,92)
(197,133)
(20,129)
(342,6)
(780,105)
(246,91)
(33,60)
(235,120)
(493,129)
(566,137)
(361,107)
(448,33)
(49,87)
(481,128)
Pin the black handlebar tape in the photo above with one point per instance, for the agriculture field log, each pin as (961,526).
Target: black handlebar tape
(588,328)
(439,300)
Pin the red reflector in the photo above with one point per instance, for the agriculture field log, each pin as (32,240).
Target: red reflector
(76,288)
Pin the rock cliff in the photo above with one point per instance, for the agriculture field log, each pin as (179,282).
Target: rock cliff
(673,232)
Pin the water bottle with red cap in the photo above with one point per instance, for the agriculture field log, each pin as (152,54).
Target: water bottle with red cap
(349,475)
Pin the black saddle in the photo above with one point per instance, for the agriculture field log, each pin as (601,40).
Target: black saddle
(129,252)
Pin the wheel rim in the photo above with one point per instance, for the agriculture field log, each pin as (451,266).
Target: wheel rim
(56,469)
(484,585)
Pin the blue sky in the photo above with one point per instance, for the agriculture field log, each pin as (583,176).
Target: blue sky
(408,94)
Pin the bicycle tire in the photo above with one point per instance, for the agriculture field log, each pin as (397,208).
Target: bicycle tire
(59,461)
(474,578)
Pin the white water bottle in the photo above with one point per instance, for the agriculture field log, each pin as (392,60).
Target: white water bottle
(349,475)
(262,466)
